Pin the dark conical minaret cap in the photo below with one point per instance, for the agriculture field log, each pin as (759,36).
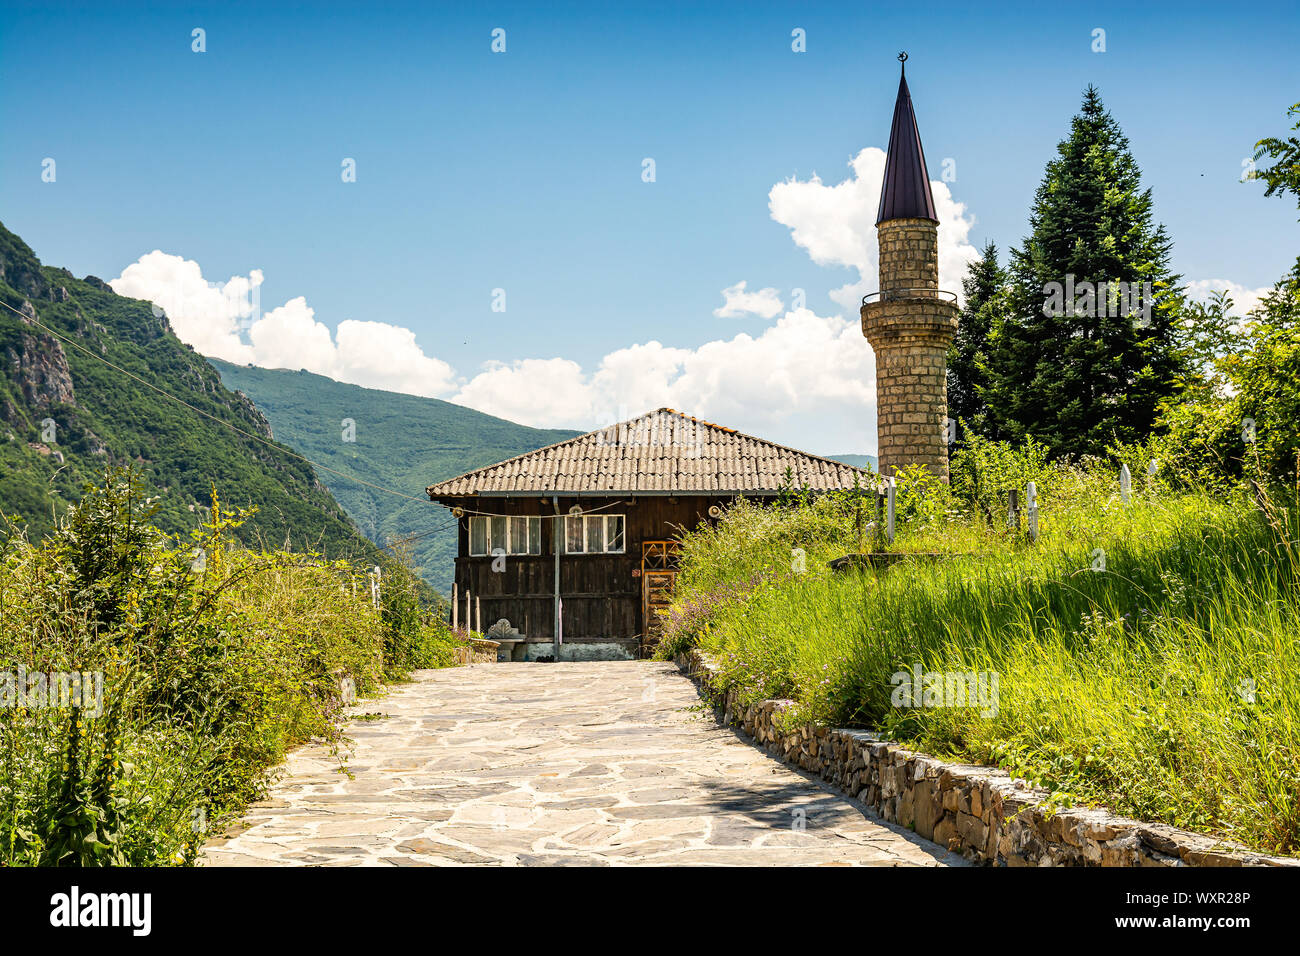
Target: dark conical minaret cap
(905,193)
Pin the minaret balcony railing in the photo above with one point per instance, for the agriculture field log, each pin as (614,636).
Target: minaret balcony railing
(889,295)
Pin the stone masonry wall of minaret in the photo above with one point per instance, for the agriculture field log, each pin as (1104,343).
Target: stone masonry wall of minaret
(910,328)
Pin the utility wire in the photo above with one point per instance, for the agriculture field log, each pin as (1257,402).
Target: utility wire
(422,534)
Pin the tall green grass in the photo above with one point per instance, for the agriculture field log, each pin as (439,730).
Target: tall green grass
(1164,686)
(216,660)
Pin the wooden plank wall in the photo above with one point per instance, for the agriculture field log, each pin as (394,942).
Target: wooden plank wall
(602,597)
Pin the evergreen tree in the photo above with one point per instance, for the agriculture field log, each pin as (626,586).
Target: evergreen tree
(1072,365)
(983,291)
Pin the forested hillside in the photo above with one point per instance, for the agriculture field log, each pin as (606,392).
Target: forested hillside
(69,408)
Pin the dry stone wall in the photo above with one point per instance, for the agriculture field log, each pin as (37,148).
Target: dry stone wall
(477,652)
(980,812)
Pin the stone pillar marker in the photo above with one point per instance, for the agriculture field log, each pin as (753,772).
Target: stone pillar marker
(910,322)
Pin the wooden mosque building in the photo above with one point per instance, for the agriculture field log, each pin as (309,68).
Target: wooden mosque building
(570,549)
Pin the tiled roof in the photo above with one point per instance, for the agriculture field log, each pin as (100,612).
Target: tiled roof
(663,452)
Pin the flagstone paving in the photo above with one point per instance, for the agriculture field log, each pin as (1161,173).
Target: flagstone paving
(605,763)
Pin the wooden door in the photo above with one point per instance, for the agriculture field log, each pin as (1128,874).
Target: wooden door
(658,576)
(656,596)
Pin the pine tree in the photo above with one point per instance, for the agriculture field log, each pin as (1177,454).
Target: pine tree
(983,291)
(1075,366)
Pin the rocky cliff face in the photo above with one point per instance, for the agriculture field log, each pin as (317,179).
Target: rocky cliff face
(37,365)
(20,269)
(260,423)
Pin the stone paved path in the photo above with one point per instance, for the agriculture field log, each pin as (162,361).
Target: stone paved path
(546,764)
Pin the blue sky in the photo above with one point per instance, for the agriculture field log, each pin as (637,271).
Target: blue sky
(522,171)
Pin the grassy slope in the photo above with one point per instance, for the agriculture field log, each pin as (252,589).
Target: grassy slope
(114,420)
(1163,686)
(402,442)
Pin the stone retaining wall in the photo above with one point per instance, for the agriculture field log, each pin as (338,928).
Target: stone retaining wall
(979,812)
(477,652)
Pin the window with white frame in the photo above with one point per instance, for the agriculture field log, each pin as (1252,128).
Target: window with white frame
(593,534)
(504,534)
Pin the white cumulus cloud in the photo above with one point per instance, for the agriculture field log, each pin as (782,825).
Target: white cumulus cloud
(765,303)
(1244,300)
(222,320)
(547,393)
(837,225)
(807,381)
(206,315)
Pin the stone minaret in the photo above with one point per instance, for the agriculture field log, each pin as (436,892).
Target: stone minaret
(909,322)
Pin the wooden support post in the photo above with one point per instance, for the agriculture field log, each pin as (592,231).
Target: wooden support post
(1125,483)
(469,621)
(454,608)
(1013,509)
(478,615)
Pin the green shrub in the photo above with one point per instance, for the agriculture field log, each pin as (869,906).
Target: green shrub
(215,661)
(1244,421)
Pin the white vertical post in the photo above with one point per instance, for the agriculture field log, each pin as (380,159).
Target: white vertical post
(890,490)
(374,585)
(478,615)
(454,606)
(469,621)
(1031,509)
(1125,483)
